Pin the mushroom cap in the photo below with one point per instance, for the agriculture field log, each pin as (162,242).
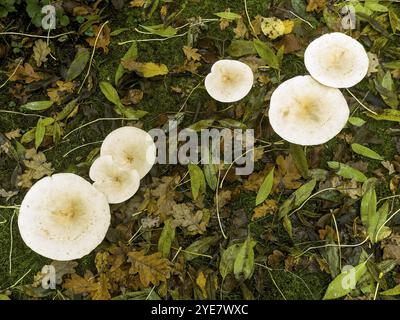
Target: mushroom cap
(63,217)
(131,147)
(336,60)
(116,182)
(305,112)
(229,80)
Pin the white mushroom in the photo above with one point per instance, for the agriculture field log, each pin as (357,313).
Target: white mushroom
(131,147)
(336,60)
(229,80)
(305,112)
(63,217)
(118,183)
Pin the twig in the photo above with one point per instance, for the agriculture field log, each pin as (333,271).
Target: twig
(78,147)
(248,18)
(34,35)
(11,241)
(361,104)
(91,57)
(89,123)
(217,206)
(338,241)
(14,72)
(312,196)
(387,220)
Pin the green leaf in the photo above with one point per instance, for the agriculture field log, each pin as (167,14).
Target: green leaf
(368,208)
(355,121)
(78,64)
(366,152)
(342,284)
(346,171)
(4,297)
(240,48)
(300,159)
(394,20)
(297,198)
(210,173)
(228,15)
(39,133)
(202,124)
(161,30)
(266,53)
(243,266)
(391,292)
(387,114)
(132,53)
(199,247)
(37,105)
(197,180)
(265,188)
(166,238)
(68,109)
(110,93)
(228,259)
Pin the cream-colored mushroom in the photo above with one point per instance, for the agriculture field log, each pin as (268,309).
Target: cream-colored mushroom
(229,80)
(336,60)
(131,147)
(117,182)
(305,112)
(63,217)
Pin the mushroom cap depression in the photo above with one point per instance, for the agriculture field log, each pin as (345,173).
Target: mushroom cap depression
(305,112)
(229,80)
(116,182)
(336,60)
(131,147)
(63,217)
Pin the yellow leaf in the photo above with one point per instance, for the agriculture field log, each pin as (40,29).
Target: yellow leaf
(191,53)
(151,269)
(63,88)
(104,38)
(269,206)
(289,24)
(316,5)
(273,27)
(137,3)
(40,52)
(201,282)
(147,69)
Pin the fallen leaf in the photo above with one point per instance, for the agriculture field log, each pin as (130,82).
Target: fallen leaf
(191,53)
(63,88)
(24,73)
(40,52)
(146,69)
(268,207)
(104,39)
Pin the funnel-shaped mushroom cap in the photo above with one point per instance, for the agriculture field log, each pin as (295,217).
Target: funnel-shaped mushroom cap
(118,183)
(130,147)
(305,112)
(336,60)
(63,217)
(229,80)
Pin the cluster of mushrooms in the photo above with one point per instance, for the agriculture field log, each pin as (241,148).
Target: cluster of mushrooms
(64,217)
(304,110)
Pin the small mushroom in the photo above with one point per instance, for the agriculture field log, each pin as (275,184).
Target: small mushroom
(336,60)
(63,217)
(131,147)
(118,183)
(305,112)
(229,80)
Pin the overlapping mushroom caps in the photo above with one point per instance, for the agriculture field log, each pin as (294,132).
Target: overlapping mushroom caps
(336,60)
(305,112)
(117,182)
(229,80)
(63,217)
(132,148)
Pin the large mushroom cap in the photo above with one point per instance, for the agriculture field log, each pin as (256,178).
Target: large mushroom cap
(116,182)
(305,112)
(63,217)
(229,80)
(130,147)
(336,60)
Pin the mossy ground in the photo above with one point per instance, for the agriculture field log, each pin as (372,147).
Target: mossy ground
(16,259)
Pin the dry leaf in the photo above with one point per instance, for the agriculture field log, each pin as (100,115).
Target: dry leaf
(316,5)
(40,52)
(268,207)
(187,218)
(191,53)
(240,30)
(287,173)
(13,134)
(137,3)
(103,40)
(36,167)
(24,73)
(63,88)
(151,269)
(146,69)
